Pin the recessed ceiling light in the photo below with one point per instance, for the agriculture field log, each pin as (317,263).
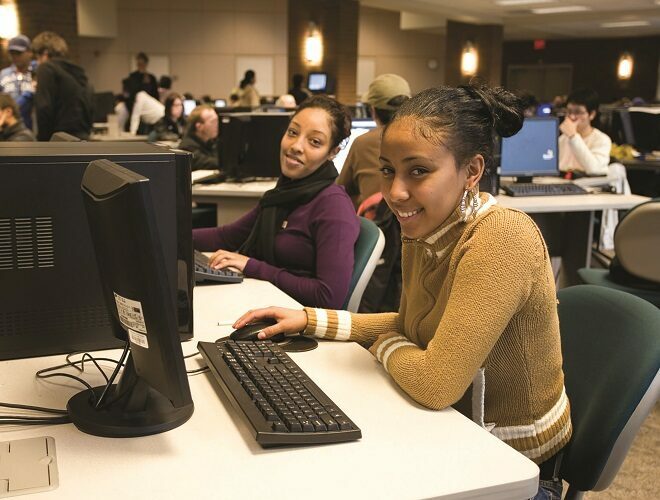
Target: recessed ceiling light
(624,24)
(561,10)
(505,3)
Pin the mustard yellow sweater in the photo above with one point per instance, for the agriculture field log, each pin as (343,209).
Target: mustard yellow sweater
(477,328)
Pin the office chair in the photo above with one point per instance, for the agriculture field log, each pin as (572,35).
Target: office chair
(368,249)
(611,350)
(636,243)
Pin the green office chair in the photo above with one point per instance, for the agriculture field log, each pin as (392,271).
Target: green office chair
(636,243)
(368,249)
(610,343)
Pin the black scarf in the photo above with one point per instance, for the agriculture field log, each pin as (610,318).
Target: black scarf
(277,204)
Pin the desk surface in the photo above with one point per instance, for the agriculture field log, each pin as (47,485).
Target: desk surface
(254,189)
(406,451)
(577,203)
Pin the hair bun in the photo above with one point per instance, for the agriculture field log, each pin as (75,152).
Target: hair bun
(505,109)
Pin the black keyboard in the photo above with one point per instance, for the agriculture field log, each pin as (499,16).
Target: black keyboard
(281,405)
(532,189)
(205,273)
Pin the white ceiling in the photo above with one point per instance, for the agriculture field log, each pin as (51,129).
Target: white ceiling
(521,23)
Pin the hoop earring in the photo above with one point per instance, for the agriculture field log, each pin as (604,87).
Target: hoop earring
(463,205)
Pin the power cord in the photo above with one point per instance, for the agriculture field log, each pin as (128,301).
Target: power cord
(44,373)
(198,370)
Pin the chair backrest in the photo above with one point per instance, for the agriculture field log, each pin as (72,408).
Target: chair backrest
(368,249)
(611,350)
(637,240)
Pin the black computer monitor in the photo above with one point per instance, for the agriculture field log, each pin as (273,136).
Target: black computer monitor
(153,394)
(249,144)
(64,137)
(104,105)
(317,82)
(645,123)
(51,301)
(532,151)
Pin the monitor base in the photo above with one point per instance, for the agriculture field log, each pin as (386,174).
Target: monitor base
(115,420)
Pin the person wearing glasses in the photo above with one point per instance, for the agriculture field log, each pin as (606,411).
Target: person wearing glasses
(583,149)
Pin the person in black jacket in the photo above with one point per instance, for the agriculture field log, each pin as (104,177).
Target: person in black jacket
(63,100)
(171,126)
(12,127)
(200,138)
(140,80)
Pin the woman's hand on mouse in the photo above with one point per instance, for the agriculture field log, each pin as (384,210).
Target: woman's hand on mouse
(288,320)
(222,259)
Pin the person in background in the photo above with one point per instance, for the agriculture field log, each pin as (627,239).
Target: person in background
(529,102)
(477,327)
(200,137)
(141,80)
(146,113)
(286,101)
(361,172)
(12,127)
(171,126)
(164,87)
(16,80)
(63,99)
(297,90)
(247,92)
(301,235)
(583,149)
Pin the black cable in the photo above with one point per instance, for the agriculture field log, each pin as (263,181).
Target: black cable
(11,420)
(34,408)
(110,381)
(191,355)
(198,370)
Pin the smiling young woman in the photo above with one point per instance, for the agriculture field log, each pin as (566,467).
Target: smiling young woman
(477,327)
(301,235)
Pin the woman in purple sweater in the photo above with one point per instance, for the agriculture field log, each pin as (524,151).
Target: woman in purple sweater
(301,235)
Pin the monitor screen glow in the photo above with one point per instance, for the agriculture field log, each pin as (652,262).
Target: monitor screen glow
(188,106)
(317,82)
(358,128)
(533,150)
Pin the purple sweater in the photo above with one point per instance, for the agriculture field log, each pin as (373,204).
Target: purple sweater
(318,238)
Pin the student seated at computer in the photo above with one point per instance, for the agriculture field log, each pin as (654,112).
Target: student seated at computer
(301,235)
(477,327)
(200,137)
(172,125)
(582,148)
(360,174)
(12,127)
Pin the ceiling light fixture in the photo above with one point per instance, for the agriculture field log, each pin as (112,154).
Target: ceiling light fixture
(624,24)
(8,20)
(506,3)
(561,10)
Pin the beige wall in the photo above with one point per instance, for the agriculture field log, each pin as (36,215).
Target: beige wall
(202,38)
(402,52)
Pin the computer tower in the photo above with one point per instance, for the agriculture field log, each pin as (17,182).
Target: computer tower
(51,300)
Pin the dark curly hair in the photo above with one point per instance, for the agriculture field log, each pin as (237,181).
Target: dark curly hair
(340,116)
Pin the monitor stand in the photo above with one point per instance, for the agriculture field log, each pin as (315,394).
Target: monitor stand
(132,408)
(524,179)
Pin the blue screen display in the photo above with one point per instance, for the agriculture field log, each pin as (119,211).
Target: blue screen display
(533,150)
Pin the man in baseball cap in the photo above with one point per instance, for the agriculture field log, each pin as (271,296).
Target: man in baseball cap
(360,174)
(16,80)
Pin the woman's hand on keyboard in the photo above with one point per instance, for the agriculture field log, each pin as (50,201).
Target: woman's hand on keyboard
(288,320)
(222,259)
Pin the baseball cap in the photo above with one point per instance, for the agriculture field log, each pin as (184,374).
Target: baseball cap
(385,87)
(19,43)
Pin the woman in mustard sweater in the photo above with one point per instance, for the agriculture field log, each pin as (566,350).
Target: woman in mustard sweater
(477,327)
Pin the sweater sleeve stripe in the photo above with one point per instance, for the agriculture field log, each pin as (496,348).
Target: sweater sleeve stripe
(321,323)
(394,347)
(343,326)
(328,324)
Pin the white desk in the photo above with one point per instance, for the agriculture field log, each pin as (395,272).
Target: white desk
(231,199)
(406,451)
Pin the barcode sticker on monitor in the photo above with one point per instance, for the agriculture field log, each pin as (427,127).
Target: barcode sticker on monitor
(138,338)
(130,313)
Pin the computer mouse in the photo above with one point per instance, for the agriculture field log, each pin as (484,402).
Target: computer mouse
(251,330)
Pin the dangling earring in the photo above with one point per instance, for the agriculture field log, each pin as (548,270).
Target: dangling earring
(463,206)
(475,201)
